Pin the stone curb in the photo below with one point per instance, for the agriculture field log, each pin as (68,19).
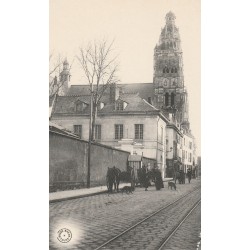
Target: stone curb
(77,196)
(90,194)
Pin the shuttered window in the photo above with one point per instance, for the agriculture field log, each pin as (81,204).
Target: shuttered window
(118,131)
(138,131)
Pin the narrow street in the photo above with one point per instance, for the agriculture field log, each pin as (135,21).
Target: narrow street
(96,219)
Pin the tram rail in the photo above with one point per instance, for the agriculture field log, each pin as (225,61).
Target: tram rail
(169,235)
(175,229)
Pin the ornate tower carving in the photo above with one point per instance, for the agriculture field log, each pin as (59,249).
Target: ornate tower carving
(64,78)
(170,93)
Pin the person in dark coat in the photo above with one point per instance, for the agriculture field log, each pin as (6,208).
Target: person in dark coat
(145,178)
(158,179)
(189,174)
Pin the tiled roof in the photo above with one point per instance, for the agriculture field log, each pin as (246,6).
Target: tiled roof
(57,128)
(134,104)
(66,105)
(145,90)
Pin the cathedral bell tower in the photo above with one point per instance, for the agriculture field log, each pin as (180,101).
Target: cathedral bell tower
(64,78)
(168,81)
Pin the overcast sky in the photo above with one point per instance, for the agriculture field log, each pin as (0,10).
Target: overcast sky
(135,25)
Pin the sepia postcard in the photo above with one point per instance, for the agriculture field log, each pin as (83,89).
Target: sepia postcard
(124,124)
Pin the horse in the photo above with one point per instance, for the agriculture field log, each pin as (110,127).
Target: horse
(113,178)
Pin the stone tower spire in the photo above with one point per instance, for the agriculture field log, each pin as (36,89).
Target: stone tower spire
(64,78)
(170,93)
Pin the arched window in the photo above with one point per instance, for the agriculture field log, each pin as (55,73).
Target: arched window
(167,45)
(171,45)
(164,70)
(172,70)
(166,99)
(175,70)
(167,70)
(172,99)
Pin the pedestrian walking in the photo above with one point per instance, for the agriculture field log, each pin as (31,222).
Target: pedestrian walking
(145,177)
(189,174)
(158,179)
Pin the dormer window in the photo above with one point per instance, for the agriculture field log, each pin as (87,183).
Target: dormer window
(79,106)
(120,105)
(101,105)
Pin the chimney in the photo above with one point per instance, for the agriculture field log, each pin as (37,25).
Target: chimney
(114,92)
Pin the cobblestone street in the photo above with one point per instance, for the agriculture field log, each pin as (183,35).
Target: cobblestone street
(94,220)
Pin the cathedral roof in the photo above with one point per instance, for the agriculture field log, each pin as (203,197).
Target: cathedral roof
(145,90)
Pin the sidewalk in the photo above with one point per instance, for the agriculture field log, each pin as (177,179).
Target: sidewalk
(84,192)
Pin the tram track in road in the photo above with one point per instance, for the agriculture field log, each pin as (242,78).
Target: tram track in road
(177,227)
(145,234)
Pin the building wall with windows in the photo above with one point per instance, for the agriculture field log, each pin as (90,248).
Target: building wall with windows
(146,133)
(173,149)
(188,151)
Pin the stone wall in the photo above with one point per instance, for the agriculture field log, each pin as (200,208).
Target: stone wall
(68,161)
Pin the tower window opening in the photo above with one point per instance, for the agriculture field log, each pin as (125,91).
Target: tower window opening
(167,70)
(166,99)
(167,45)
(171,45)
(172,70)
(175,70)
(172,99)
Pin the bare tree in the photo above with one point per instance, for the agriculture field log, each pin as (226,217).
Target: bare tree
(100,69)
(55,83)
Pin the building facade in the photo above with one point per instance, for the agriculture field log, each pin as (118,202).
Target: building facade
(149,119)
(128,123)
(188,152)
(169,90)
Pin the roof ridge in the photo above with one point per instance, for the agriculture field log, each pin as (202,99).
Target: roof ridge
(117,84)
(74,95)
(135,83)
(149,104)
